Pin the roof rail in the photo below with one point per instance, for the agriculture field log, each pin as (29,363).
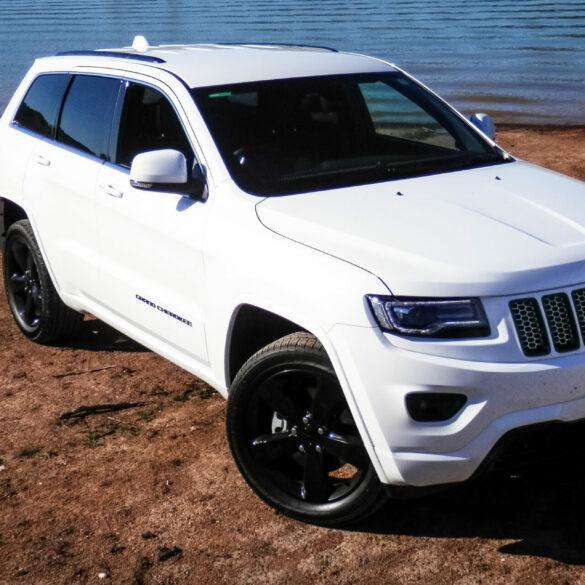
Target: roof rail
(292,45)
(116,54)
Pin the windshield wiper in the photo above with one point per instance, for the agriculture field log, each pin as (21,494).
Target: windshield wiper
(334,170)
(472,160)
(399,169)
(439,164)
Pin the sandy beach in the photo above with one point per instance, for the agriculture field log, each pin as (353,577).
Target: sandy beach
(150,495)
(560,148)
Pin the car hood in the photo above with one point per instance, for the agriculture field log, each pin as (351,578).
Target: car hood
(505,229)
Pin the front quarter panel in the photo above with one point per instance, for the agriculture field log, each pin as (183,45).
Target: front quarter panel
(247,264)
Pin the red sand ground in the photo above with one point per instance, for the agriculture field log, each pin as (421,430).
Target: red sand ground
(151,495)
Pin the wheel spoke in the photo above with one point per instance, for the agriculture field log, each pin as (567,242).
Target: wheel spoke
(20,254)
(17,282)
(315,485)
(28,312)
(268,448)
(276,398)
(37,298)
(326,397)
(348,448)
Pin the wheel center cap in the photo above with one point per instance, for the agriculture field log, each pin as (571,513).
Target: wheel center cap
(310,433)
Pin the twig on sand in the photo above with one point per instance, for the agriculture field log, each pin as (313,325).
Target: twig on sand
(82,411)
(79,372)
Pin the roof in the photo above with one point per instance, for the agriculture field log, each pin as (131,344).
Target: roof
(204,65)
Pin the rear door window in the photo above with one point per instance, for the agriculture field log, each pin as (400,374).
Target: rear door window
(87,116)
(40,107)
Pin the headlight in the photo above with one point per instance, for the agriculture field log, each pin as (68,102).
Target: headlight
(455,318)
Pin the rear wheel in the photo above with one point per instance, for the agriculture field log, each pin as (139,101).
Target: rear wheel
(293,436)
(36,307)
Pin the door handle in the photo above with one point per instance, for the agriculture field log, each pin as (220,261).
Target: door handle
(112,191)
(42,160)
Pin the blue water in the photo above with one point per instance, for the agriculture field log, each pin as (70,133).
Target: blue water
(522,61)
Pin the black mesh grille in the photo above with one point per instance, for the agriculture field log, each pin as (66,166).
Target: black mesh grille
(565,317)
(561,322)
(579,304)
(530,327)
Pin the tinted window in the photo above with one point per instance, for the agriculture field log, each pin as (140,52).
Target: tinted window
(39,109)
(87,115)
(149,122)
(397,116)
(296,135)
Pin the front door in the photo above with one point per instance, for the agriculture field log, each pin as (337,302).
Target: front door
(152,270)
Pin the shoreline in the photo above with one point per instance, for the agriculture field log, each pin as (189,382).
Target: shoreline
(535,127)
(559,148)
(520,126)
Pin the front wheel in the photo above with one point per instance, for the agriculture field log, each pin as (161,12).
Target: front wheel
(293,436)
(36,307)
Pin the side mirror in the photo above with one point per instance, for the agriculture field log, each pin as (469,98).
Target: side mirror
(485,124)
(166,170)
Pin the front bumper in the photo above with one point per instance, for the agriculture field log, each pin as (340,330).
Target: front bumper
(501,397)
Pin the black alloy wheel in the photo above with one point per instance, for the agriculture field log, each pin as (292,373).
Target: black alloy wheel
(294,438)
(36,307)
(23,286)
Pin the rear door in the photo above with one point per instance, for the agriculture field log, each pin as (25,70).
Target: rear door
(60,183)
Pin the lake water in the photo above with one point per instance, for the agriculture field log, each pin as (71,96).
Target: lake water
(523,60)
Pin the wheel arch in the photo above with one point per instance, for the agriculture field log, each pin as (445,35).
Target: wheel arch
(253,328)
(10,213)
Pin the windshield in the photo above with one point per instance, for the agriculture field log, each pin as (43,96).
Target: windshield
(306,134)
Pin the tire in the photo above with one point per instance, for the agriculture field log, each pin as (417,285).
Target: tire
(36,307)
(294,439)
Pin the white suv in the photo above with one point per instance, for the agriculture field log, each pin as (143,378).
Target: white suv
(385,297)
